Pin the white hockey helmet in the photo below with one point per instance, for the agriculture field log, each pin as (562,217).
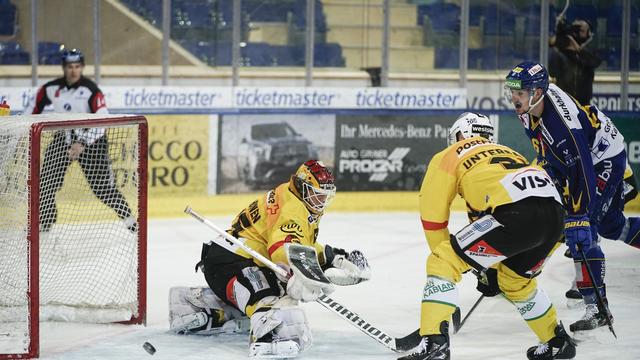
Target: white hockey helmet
(471,124)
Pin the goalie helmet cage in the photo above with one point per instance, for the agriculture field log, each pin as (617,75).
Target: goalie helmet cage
(72,233)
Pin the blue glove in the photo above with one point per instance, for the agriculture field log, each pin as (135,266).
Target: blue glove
(577,231)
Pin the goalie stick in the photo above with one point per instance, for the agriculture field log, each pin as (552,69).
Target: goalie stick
(402,344)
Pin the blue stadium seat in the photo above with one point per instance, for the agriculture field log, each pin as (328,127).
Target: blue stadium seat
(613,62)
(267,11)
(614,20)
(445,17)
(257,54)
(324,55)
(11,53)
(214,54)
(611,58)
(500,19)
(199,13)
(300,15)
(8,17)
(447,58)
(532,20)
(49,53)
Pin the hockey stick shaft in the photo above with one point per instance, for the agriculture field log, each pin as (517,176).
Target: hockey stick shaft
(256,255)
(395,344)
(475,305)
(601,304)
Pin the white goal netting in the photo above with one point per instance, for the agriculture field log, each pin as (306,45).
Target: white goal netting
(87,213)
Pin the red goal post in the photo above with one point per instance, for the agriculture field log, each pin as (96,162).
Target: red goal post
(73,229)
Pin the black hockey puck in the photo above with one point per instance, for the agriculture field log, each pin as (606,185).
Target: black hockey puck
(149,348)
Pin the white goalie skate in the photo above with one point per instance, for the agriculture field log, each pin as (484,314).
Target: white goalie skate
(279,333)
(285,349)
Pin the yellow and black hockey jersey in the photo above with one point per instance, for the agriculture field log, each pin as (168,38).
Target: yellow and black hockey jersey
(485,174)
(274,219)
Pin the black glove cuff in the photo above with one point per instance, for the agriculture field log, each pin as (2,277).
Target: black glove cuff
(488,283)
(330,254)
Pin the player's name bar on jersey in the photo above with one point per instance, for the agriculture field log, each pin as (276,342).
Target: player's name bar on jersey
(196,98)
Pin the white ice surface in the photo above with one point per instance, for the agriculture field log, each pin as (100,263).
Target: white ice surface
(396,249)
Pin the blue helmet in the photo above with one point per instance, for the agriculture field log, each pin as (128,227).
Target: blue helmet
(72,56)
(528,75)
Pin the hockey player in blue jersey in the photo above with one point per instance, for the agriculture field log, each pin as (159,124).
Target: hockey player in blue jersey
(583,152)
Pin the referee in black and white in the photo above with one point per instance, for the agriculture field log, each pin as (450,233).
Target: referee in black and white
(74,93)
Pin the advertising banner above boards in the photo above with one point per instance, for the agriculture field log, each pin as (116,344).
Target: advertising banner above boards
(493,102)
(386,152)
(159,99)
(259,151)
(180,153)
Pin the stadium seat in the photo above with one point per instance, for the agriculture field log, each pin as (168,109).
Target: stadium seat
(300,16)
(8,17)
(447,58)
(198,13)
(257,54)
(499,19)
(11,53)
(49,53)
(267,10)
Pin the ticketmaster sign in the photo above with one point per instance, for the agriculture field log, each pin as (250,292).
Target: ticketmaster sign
(160,99)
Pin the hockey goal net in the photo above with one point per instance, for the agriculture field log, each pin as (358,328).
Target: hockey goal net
(72,223)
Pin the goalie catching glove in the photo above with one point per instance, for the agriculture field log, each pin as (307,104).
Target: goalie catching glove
(346,268)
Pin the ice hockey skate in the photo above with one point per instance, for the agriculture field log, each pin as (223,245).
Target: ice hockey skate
(279,333)
(592,325)
(268,348)
(432,347)
(561,346)
(574,299)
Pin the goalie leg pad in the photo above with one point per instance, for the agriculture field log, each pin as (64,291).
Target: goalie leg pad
(199,311)
(279,332)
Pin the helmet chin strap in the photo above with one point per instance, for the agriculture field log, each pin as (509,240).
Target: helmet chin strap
(531,106)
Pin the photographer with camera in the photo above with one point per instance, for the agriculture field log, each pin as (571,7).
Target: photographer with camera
(571,62)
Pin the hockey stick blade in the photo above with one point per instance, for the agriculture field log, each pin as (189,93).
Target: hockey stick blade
(408,342)
(601,305)
(455,320)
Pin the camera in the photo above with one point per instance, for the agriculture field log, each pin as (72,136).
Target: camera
(574,30)
(564,29)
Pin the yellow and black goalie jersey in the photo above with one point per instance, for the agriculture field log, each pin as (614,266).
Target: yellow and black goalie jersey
(274,219)
(485,174)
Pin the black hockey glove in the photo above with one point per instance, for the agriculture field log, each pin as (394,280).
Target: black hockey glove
(488,282)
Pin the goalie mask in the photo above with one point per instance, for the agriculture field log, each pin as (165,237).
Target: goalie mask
(471,124)
(313,183)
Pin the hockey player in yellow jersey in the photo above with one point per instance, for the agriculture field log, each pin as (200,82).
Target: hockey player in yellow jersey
(519,222)
(240,285)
